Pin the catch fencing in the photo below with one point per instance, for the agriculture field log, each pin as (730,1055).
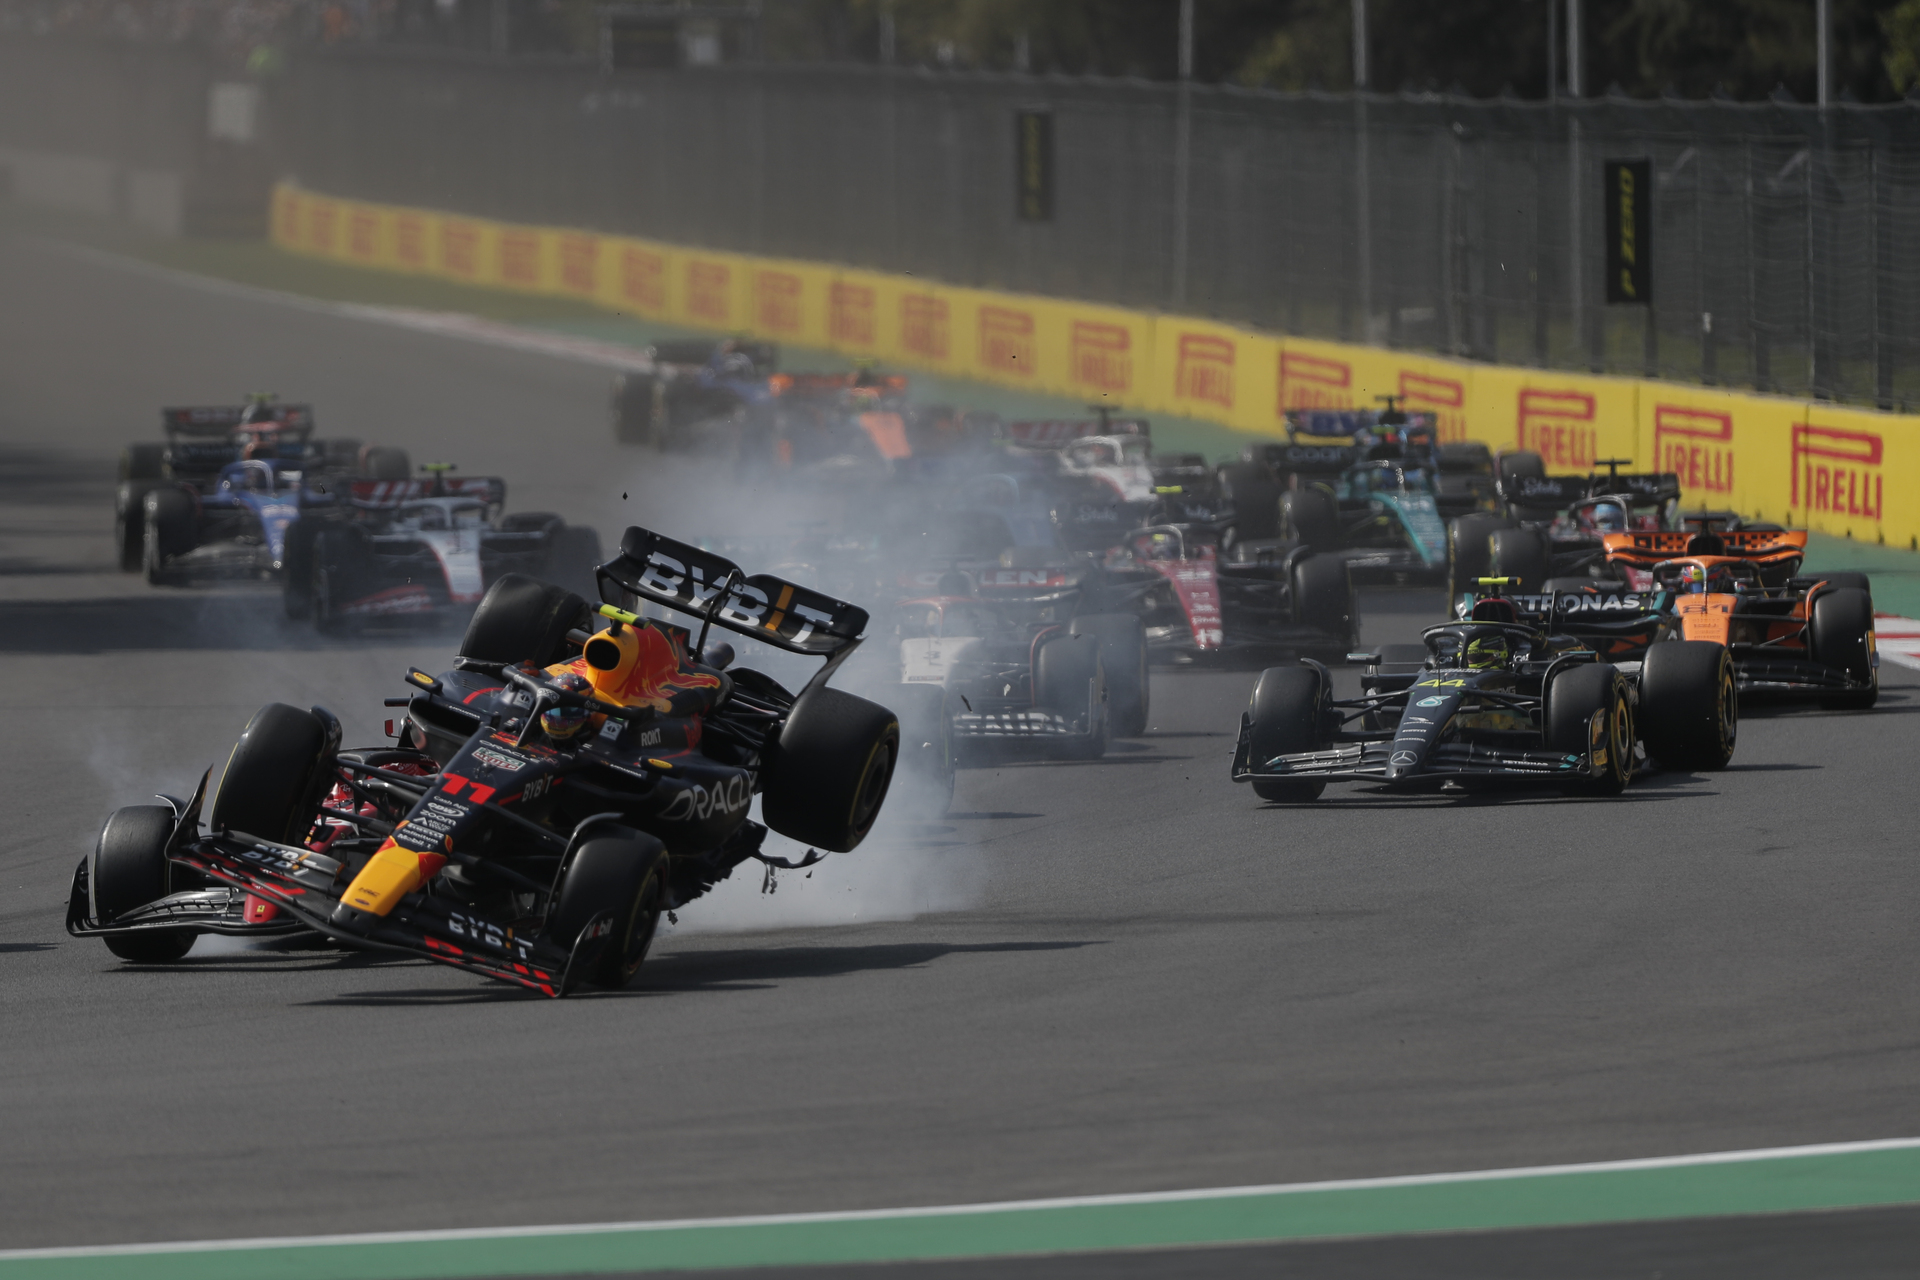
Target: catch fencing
(1785,240)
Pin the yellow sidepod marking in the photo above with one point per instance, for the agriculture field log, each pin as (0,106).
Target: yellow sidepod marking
(390,875)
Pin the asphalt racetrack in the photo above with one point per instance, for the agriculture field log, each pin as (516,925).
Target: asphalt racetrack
(1123,976)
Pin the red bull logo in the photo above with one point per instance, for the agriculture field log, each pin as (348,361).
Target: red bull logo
(1559,426)
(459,248)
(579,263)
(1312,382)
(776,301)
(1837,471)
(1101,356)
(1006,341)
(1204,370)
(850,314)
(923,325)
(1445,398)
(410,239)
(1696,445)
(709,289)
(643,279)
(520,258)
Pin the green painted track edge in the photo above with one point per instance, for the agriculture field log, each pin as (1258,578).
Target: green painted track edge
(1523,1198)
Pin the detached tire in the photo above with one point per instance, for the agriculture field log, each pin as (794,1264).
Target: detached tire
(521,619)
(827,773)
(1312,516)
(1255,497)
(1841,629)
(1470,551)
(1284,719)
(1069,680)
(1522,554)
(273,780)
(624,872)
(1689,705)
(128,870)
(1123,661)
(1571,702)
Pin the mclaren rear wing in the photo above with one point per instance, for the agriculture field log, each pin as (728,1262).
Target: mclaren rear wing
(1644,550)
(759,606)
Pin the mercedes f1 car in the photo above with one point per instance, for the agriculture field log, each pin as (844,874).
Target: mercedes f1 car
(216,498)
(552,796)
(423,547)
(1493,697)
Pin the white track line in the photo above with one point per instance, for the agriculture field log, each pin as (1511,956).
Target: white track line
(1897,638)
(960,1210)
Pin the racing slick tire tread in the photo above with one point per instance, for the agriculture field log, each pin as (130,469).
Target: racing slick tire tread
(384,462)
(1123,659)
(143,462)
(1284,718)
(1070,679)
(1323,597)
(1256,501)
(827,773)
(1840,621)
(1522,554)
(1470,551)
(572,556)
(1689,705)
(336,562)
(1522,464)
(128,870)
(166,531)
(522,619)
(622,871)
(1571,700)
(296,562)
(1312,516)
(271,785)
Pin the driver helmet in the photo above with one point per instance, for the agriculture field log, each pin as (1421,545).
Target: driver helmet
(1162,546)
(1487,650)
(257,412)
(561,723)
(1693,578)
(1609,517)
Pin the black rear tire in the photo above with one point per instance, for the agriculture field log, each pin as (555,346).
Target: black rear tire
(1312,516)
(521,619)
(1323,597)
(1250,487)
(1284,716)
(1689,705)
(143,462)
(166,532)
(128,870)
(1069,680)
(1840,628)
(296,569)
(1123,661)
(129,523)
(1844,578)
(572,557)
(622,871)
(1470,551)
(1521,554)
(827,774)
(1571,701)
(1522,464)
(273,780)
(383,462)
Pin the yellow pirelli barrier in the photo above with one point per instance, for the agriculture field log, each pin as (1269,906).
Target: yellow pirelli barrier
(1835,470)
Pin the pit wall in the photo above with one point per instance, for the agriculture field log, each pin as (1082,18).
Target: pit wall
(1848,472)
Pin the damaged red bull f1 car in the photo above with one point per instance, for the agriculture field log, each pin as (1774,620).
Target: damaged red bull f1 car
(551,796)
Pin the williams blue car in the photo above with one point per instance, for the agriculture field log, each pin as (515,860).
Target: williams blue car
(233,528)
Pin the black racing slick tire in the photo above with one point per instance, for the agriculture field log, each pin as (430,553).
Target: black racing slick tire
(1312,516)
(1842,578)
(166,532)
(1283,718)
(1070,680)
(1571,701)
(275,776)
(1323,598)
(521,619)
(622,875)
(1470,551)
(1841,633)
(827,773)
(1123,662)
(143,462)
(296,569)
(1255,497)
(1689,705)
(1523,464)
(128,870)
(383,462)
(1520,554)
(573,553)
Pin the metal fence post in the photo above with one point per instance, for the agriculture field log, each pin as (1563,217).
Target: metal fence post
(1183,155)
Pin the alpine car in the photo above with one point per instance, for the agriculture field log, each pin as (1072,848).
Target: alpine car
(216,498)
(1489,699)
(424,547)
(552,795)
